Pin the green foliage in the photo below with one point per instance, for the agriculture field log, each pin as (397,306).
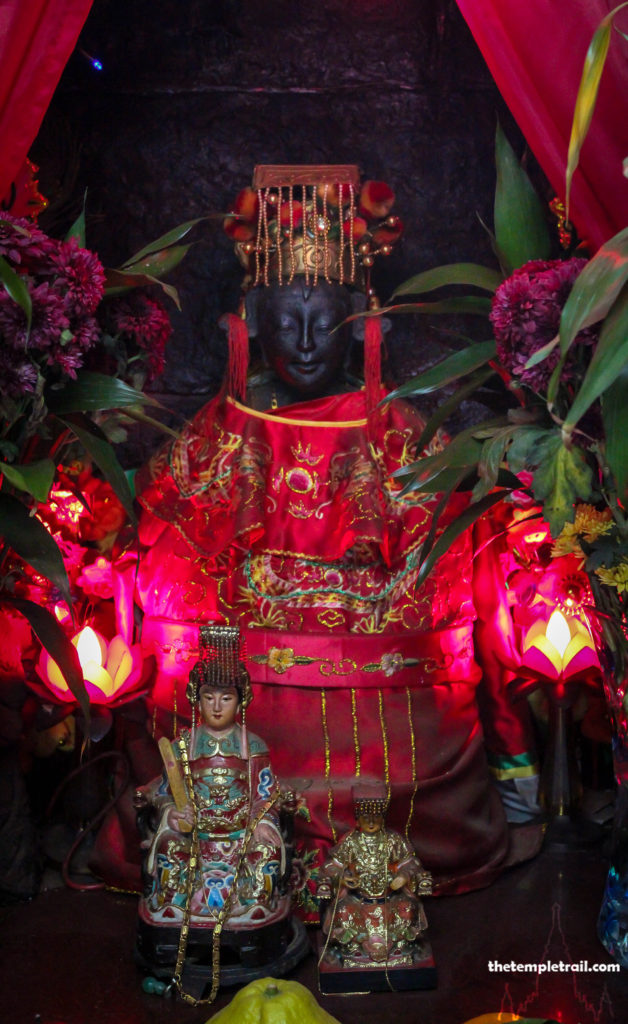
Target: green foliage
(587,94)
(92,392)
(450,369)
(32,542)
(451,274)
(615,419)
(521,232)
(35,477)
(18,291)
(101,452)
(62,650)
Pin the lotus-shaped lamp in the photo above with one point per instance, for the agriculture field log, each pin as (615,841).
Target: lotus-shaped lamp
(111,670)
(559,650)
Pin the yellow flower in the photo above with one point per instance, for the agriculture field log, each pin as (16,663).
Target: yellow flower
(567,542)
(615,577)
(280,659)
(591,522)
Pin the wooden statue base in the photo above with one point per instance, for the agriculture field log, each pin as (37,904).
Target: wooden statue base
(412,971)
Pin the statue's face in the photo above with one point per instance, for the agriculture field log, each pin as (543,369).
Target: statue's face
(219,706)
(370,822)
(294,323)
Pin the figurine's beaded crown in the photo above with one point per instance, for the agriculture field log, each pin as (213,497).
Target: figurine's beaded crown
(370,798)
(222,663)
(312,221)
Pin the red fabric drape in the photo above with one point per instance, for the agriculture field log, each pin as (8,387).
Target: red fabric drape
(535,52)
(36,40)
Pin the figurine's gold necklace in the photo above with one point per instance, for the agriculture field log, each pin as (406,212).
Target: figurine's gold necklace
(223,914)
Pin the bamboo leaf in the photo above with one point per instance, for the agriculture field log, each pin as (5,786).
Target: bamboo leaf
(595,289)
(78,228)
(119,281)
(520,228)
(60,649)
(17,289)
(453,531)
(94,392)
(609,359)
(99,449)
(587,95)
(476,305)
(449,406)
(457,365)
(150,421)
(32,542)
(157,264)
(35,477)
(491,459)
(164,241)
(450,274)
(428,543)
(615,418)
(542,353)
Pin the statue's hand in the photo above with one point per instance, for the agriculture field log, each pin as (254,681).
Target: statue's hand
(180,821)
(399,881)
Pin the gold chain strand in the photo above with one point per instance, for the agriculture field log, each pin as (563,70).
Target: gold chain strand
(174,710)
(266,238)
(315,223)
(258,243)
(278,240)
(356,737)
(293,264)
(330,795)
(413,762)
(351,234)
(194,870)
(154,721)
(304,226)
(325,238)
(341,241)
(382,722)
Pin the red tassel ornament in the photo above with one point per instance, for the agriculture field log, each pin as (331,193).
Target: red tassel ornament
(372,363)
(238,336)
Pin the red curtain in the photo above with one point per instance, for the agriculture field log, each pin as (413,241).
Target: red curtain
(36,40)
(535,51)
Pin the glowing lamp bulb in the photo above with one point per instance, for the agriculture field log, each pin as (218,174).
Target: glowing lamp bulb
(558,632)
(88,647)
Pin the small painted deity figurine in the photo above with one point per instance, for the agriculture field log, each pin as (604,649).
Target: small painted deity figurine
(375,917)
(217,855)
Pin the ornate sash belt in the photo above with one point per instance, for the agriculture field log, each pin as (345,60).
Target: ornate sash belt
(327,660)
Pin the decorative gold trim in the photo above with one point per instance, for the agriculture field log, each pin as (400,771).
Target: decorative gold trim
(382,722)
(356,737)
(295,423)
(330,795)
(413,762)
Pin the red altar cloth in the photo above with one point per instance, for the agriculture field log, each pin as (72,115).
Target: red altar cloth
(289,523)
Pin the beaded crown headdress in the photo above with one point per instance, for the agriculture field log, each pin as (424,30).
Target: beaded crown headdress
(222,663)
(314,221)
(319,223)
(370,798)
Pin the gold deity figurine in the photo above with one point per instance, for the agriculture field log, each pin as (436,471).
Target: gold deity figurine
(374,923)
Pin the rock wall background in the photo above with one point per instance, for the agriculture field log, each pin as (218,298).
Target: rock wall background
(194,93)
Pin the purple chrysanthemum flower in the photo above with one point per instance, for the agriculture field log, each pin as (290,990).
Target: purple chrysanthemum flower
(526,313)
(145,322)
(81,278)
(21,242)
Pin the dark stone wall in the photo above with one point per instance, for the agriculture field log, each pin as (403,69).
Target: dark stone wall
(194,93)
